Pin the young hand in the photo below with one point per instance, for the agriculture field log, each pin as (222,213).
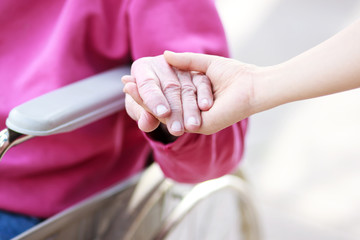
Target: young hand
(233,87)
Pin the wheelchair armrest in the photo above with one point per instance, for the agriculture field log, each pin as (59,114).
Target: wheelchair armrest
(72,106)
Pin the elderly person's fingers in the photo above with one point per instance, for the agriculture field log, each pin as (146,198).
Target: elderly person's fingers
(191,112)
(127,79)
(131,89)
(200,63)
(158,85)
(146,121)
(132,92)
(205,98)
(171,88)
(150,88)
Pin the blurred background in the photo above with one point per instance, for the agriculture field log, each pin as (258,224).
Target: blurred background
(303,158)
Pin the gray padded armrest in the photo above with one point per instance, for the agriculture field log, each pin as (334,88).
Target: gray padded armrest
(72,106)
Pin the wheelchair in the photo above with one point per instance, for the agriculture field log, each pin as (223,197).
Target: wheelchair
(147,206)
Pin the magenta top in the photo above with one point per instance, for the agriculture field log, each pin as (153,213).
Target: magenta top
(47,44)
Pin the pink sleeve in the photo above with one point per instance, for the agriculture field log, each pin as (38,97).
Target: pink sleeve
(195,158)
(194,26)
(177,25)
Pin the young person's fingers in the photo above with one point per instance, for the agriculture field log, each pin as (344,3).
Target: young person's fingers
(189,61)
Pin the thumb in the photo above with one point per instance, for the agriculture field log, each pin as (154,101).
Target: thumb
(189,61)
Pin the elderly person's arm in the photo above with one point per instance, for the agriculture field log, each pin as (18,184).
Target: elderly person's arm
(179,25)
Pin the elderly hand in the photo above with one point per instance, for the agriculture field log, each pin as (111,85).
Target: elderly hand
(158,93)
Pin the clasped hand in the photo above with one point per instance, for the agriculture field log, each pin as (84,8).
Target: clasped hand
(158,93)
(220,93)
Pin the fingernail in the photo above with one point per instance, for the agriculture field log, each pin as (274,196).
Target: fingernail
(192,121)
(176,126)
(161,109)
(205,102)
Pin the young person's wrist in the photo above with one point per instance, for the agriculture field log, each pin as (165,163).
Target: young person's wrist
(268,91)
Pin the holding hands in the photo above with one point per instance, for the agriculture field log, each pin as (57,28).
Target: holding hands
(158,93)
(165,89)
(233,86)
(241,90)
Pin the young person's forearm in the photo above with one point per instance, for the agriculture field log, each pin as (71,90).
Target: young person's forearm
(332,66)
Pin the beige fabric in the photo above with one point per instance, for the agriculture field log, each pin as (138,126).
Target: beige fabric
(143,206)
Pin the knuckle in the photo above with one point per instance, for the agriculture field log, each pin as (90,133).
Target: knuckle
(146,83)
(148,90)
(171,86)
(182,74)
(188,90)
(177,111)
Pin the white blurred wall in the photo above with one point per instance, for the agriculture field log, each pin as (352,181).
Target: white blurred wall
(303,158)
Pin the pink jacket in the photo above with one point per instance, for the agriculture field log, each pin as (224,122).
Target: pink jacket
(47,44)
